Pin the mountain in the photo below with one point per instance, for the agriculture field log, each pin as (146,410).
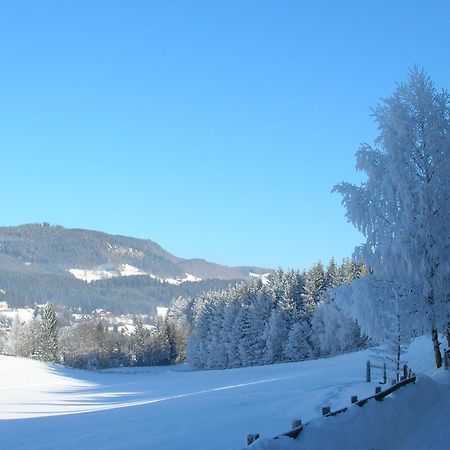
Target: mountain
(90,269)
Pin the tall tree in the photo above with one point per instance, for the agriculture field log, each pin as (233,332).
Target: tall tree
(49,334)
(403,207)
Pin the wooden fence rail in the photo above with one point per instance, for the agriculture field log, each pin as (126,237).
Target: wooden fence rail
(298,427)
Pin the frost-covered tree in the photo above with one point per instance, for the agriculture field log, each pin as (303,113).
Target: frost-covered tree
(49,337)
(261,322)
(298,346)
(14,337)
(334,331)
(333,275)
(315,284)
(180,316)
(141,344)
(276,334)
(403,208)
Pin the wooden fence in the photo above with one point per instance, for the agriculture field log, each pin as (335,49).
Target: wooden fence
(298,426)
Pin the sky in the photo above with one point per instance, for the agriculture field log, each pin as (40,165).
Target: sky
(215,128)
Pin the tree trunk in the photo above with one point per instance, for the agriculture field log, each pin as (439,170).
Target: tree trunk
(448,338)
(437,351)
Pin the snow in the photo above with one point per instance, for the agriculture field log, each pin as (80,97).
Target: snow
(177,281)
(166,408)
(126,270)
(90,275)
(161,311)
(263,276)
(24,314)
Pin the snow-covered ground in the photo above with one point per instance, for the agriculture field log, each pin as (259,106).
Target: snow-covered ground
(50,407)
(125,270)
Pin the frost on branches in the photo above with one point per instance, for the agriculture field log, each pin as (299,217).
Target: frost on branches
(288,318)
(403,207)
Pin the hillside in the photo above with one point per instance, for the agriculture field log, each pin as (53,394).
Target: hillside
(90,269)
(172,408)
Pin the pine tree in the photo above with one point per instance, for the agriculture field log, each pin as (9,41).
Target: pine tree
(140,340)
(333,276)
(315,286)
(49,334)
(298,345)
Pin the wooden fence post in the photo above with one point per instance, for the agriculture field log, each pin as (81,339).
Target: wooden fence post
(354,398)
(384,374)
(368,371)
(296,423)
(377,389)
(252,438)
(326,410)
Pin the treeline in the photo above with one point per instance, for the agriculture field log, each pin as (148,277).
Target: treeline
(288,317)
(134,295)
(91,345)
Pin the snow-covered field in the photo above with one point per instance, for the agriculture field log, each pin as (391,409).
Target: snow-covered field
(51,407)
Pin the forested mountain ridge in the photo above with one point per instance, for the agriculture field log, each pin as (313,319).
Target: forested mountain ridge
(91,269)
(56,249)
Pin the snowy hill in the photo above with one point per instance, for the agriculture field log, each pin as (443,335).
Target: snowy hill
(168,408)
(56,249)
(90,269)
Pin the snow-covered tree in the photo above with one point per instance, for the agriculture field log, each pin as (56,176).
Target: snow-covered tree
(49,338)
(298,346)
(141,344)
(276,335)
(403,208)
(315,285)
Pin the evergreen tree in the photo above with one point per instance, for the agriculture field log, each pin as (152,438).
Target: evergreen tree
(333,275)
(276,335)
(315,286)
(49,334)
(141,344)
(298,345)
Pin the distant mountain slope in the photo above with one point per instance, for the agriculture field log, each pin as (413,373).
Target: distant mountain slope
(57,249)
(85,268)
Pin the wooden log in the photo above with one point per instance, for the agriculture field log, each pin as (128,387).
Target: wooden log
(293,433)
(335,413)
(392,389)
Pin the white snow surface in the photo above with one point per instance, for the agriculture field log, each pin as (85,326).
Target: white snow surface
(90,275)
(47,406)
(24,314)
(126,270)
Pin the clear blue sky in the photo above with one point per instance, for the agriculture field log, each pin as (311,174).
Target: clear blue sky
(215,128)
